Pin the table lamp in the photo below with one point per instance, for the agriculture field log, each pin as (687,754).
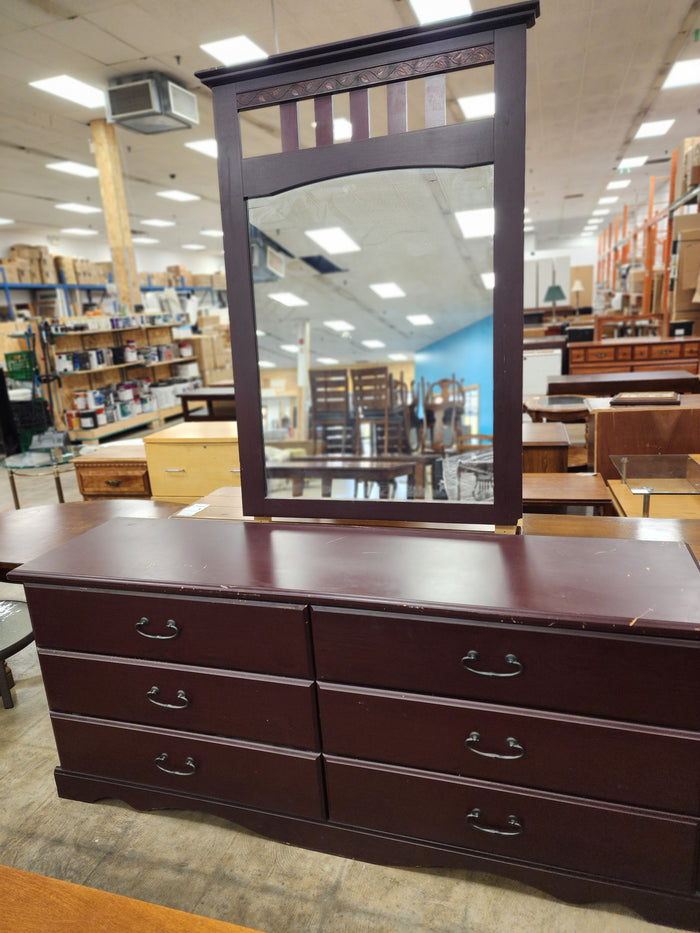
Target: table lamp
(576,289)
(554,293)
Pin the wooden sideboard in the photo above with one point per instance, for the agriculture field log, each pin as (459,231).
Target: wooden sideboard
(514,704)
(635,354)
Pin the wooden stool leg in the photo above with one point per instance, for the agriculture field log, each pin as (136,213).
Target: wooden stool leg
(5,683)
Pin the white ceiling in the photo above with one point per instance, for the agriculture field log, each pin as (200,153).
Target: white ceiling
(594,73)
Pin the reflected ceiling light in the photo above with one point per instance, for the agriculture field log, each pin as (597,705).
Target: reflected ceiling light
(5,220)
(489,280)
(333,240)
(212,232)
(259,333)
(528,228)
(289,347)
(154,222)
(633,162)
(614,185)
(342,129)
(478,223)
(193,246)
(339,326)
(373,344)
(205,146)
(601,212)
(79,231)
(388,290)
(79,208)
(432,11)
(145,240)
(234,51)
(74,168)
(178,195)
(326,361)
(398,357)
(288,299)
(265,364)
(610,200)
(419,320)
(478,105)
(655,128)
(73,90)
(683,73)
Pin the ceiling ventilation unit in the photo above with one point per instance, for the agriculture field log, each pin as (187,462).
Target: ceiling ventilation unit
(151,103)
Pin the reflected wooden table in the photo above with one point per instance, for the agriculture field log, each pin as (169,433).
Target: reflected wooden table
(382,471)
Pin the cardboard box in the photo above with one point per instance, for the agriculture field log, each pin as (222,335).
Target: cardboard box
(202,281)
(218,280)
(682,223)
(65,265)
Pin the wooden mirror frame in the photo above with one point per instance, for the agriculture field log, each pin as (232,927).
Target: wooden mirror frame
(493,37)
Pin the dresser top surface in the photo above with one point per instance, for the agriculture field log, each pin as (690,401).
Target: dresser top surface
(622,585)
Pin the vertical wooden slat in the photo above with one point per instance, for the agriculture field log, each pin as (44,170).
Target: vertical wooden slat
(359,112)
(289,126)
(396,104)
(323,111)
(435,103)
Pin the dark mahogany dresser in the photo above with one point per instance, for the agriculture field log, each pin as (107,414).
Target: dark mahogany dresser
(522,705)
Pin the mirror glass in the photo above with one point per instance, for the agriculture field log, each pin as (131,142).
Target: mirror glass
(374,316)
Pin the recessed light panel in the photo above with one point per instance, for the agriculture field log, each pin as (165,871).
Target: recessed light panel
(333,240)
(154,222)
(432,11)
(289,347)
(212,232)
(79,231)
(683,73)
(339,326)
(5,220)
(74,168)
(144,240)
(478,223)
(327,361)
(655,128)
(373,344)
(205,146)
(610,200)
(615,185)
(178,196)
(193,246)
(79,208)
(73,90)
(478,105)
(234,51)
(489,280)
(288,299)
(398,357)
(266,364)
(388,290)
(419,320)
(601,212)
(634,162)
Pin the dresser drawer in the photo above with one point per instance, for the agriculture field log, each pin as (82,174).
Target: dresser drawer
(255,775)
(476,740)
(189,469)
(600,354)
(603,840)
(641,351)
(691,350)
(249,636)
(97,481)
(623,353)
(576,355)
(643,680)
(275,710)
(665,351)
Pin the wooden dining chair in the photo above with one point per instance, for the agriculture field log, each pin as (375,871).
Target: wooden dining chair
(331,422)
(443,404)
(379,404)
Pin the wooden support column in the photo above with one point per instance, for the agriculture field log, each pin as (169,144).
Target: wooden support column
(116,212)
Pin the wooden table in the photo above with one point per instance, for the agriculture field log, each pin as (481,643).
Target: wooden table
(27,533)
(361,469)
(545,447)
(36,904)
(631,504)
(219,404)
(549,491)
(651,380)
(566,408)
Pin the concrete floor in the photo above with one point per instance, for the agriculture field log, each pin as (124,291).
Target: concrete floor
(202,864)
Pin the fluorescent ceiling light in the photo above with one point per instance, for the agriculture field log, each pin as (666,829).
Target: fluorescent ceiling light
(259,333)
(683,74)
(419,320)
(234,51)
(634,162)
(373,344)
(526,210)
(601,212)
(145,240)
(154,222)
(212,232)
(326,361)
(71,89)
(655,128)
(432,11)
(339,326)
(614,185)
(79,208)
(611,200)
(79,231)
(478,105)
(288,299)
(398,357)
(265,364)
(289,347)
(479,223)
(205,146)
(193,246)
(489,280)
(74,168)
(178,196)
(529,229)
(5,220)
(333,240)
(388,290)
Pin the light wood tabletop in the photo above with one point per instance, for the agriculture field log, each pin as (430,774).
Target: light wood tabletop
(559,489)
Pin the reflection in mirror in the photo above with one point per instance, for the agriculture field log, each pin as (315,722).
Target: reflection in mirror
(374,317)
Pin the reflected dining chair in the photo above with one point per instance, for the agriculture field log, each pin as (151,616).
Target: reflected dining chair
(380,406)
(331,422)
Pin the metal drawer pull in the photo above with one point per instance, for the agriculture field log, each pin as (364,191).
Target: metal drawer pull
(113,482)
(189,763)
(143,622)
(474,738)
(512,821)
(181,695)
(174,469)
(509,659)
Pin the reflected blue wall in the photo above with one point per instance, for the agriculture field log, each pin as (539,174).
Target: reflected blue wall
(468,354)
